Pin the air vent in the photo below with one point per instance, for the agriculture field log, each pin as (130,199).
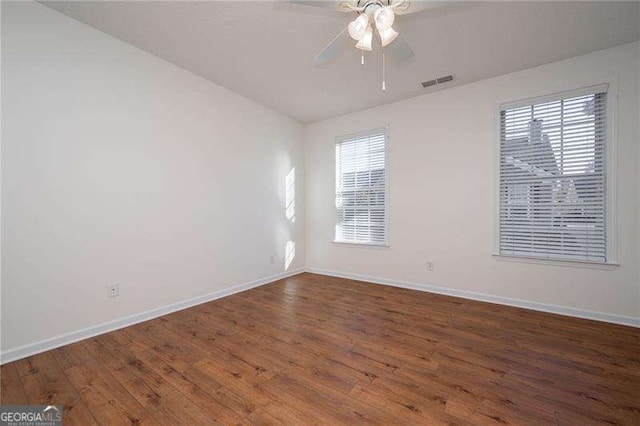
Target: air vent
(439,80)
(445,79)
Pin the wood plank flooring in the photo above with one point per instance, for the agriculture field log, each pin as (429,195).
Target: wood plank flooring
(312,349)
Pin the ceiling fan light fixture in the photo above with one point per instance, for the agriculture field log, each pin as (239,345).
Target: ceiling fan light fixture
(387,36)
(383,18)
(358,27)
(366,42)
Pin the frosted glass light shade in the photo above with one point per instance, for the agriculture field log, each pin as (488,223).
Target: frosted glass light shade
(384,18)
(358,27)
(387,36)
(366,41)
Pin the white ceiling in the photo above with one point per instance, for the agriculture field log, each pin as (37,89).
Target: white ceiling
(264,50)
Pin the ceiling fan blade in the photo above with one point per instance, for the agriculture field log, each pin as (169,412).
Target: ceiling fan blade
(413,6)
(334,49)
(339,6)
(399,51)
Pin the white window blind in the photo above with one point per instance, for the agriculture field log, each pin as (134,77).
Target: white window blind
(553,178)
(361,188)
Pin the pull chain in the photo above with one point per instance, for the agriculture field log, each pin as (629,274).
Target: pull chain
(362,58)
(384,77)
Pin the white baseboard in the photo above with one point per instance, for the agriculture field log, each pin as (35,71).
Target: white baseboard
(536,306)
(75,336)
(65,339)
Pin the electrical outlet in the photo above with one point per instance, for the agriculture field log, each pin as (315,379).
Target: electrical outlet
(113,291)
(429,265)
(272,259)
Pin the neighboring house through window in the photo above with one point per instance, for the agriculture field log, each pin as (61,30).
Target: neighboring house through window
(553,177)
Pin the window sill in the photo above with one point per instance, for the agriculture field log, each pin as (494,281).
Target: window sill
(557,262)
(362,245)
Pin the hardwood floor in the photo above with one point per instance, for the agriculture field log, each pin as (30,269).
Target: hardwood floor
(312,349)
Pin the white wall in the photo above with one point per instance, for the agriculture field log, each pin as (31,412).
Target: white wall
(638,162)
(441,197)
(118,167)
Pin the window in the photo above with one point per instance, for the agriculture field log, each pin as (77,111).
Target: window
(361,188)
(553,201)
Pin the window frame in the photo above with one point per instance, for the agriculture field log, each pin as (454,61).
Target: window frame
(611,175)
(337,141)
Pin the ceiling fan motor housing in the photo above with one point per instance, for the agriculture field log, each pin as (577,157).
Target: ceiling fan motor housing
(370,6)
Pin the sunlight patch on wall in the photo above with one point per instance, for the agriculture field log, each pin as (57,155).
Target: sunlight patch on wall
(289,254)
(290,195)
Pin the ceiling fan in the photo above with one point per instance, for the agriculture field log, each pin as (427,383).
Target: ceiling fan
(373,16)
